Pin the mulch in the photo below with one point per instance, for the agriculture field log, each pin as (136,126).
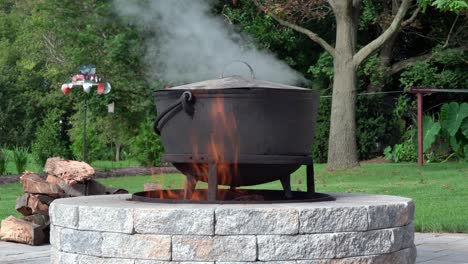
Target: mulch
(131,171)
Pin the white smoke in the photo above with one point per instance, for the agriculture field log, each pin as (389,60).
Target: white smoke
(190,44)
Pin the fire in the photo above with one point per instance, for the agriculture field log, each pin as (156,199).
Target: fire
(222,150)
(224,141)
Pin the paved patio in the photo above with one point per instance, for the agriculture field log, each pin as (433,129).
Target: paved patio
(432,249)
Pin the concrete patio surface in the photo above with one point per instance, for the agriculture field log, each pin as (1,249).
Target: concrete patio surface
(433,248)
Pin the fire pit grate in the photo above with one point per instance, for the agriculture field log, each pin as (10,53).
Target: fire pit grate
(226,196)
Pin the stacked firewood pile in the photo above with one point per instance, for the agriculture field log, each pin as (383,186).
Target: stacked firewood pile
(65,178)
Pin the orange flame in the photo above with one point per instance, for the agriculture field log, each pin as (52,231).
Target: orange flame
(222,149)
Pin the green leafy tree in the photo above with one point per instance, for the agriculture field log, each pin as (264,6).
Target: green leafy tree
(48,141)
(146,146)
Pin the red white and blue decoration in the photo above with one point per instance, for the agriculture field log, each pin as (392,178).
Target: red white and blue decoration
(87,79)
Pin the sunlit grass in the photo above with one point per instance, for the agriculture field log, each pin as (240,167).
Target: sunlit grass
(440,191)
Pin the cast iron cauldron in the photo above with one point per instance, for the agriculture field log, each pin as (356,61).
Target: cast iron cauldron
(258,131)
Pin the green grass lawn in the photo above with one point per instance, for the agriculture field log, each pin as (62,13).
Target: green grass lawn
(33,166)
(440,191)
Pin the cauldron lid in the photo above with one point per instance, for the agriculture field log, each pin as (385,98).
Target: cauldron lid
(233,82)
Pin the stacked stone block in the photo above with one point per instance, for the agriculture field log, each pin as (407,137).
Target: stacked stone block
(356,228)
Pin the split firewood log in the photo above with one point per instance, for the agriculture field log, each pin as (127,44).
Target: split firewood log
(22,231)
(38,219)
(70,171)
(32,183)
(29,204)
(75,190)
(37,206)
(22,205)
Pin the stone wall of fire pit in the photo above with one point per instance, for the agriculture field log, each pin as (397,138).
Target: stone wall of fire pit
(356,228)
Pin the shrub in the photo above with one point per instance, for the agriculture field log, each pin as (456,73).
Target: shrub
(448,136)
(95,142)
(374,129)
(47,141)
(3,161)
(20,158)
(146,146)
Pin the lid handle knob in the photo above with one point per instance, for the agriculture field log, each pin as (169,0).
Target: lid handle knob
(252,73)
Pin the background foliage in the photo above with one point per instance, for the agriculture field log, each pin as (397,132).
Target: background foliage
(42,43)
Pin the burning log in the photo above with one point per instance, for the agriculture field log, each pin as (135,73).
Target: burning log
(22,231)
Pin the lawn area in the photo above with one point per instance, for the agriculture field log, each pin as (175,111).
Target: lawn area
(440,191)
(32,164)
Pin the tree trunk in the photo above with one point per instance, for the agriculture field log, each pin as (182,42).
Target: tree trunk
(342,150)
(117,151)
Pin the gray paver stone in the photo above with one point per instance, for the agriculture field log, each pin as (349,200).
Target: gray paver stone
(81,242)
(106,219)
(242,220)
(333,219)
(64,215)
(372,242)
(58,257)
(161,221)
(157,247)
(391,215)
(218,248)
(283,247)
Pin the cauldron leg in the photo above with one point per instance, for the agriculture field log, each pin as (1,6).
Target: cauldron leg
(286,182)
(190,184)
(212,182)
(310,179)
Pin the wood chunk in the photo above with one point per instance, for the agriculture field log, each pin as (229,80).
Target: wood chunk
(45,199)
(22,231)
(32,183)
(54,180)
(75,190)
(38,219)
(37,207)
(22,205)
(95,188)
(116,191)
(69,170)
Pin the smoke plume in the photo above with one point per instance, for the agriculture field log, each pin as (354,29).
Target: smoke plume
(190,44)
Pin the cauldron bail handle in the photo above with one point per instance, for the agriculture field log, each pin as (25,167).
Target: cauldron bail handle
(252,73)
(185,102)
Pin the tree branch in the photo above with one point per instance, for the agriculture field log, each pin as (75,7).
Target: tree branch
(401,65)
(373,46)
(412,18)
(451,31)
(313,36)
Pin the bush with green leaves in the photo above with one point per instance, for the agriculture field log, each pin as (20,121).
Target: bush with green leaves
(48,142)
(20,158)
(95,142)
(374,129)
(3,161)
(146,147)
(405,151)
(450,130)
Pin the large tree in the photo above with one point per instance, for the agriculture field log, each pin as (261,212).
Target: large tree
(342,150)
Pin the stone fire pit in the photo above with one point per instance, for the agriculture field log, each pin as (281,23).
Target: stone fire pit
(356,228)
